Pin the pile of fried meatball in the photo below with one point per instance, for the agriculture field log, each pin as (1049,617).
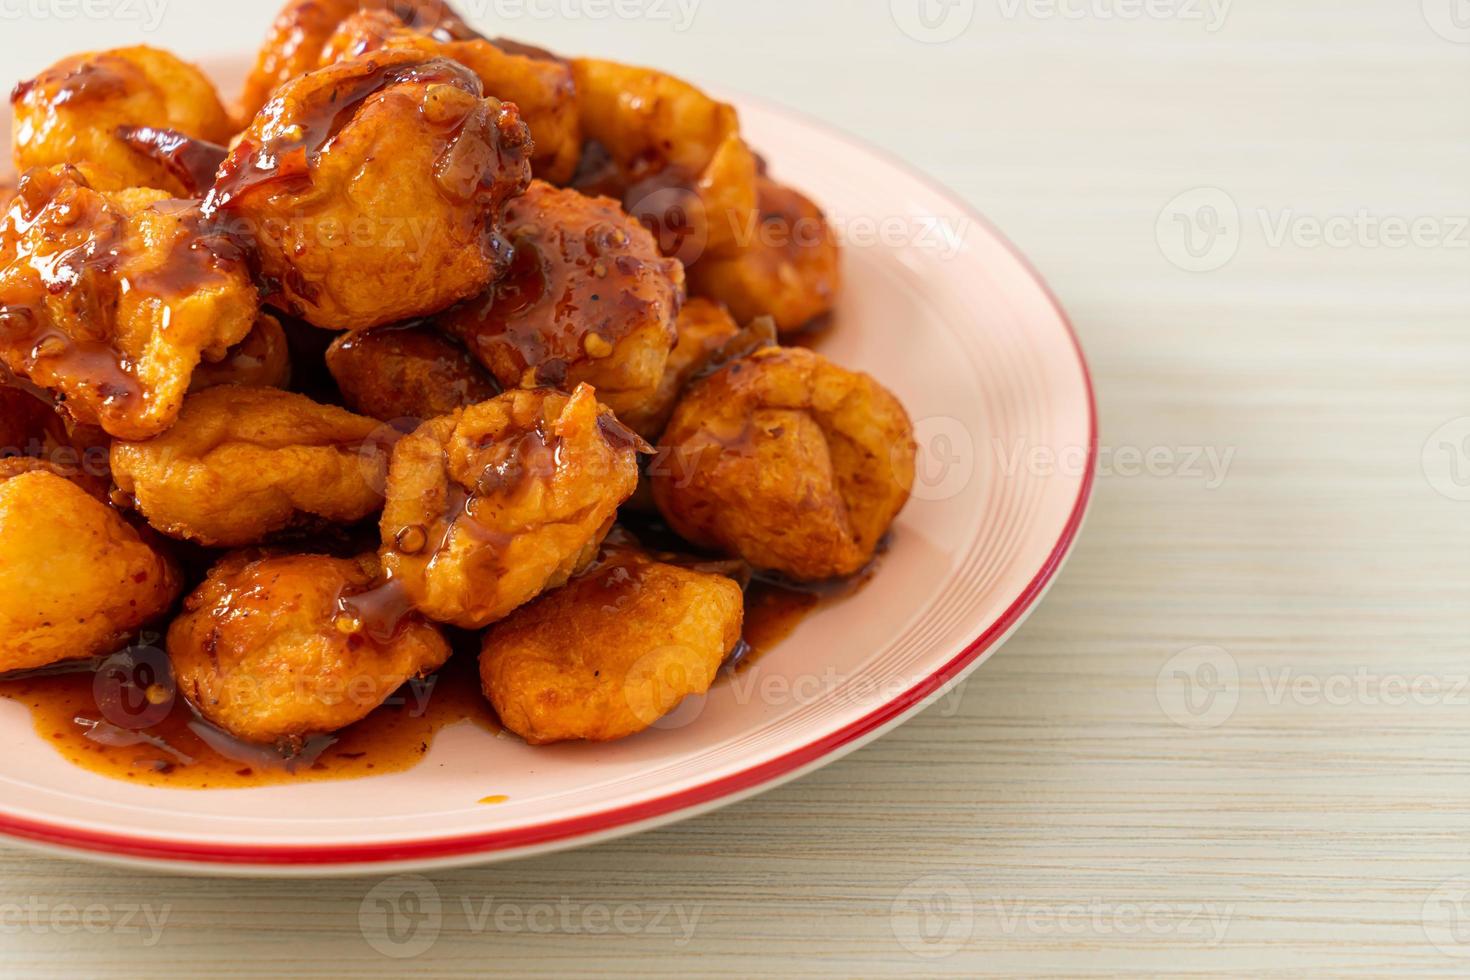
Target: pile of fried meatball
(462,294)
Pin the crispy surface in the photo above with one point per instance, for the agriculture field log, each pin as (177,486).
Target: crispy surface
(704,329)
(75,579)
(263,651)
(789,268)
(587,299)
(245,463)
(611,653)
(372,189)
(71,112)
(261,360)
(494,504)
(406,373)
(542,88)
(302,29)
(111,299)
(670,153)
(788,461)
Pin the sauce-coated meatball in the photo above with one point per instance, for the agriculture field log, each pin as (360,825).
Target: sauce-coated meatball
(264,650)
(787,461)
(372,189)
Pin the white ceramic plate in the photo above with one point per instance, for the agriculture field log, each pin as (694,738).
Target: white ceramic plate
(940,309)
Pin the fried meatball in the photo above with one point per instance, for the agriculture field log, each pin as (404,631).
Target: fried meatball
(75,578)
(587,299)
(541,87)
(406,373)
(789,270)
(611,653)
(373,188)
(261,360)
(245,463)
(111,299)
(72,113)
(492,505)
(787,461)
(303,27)
(704,329)
(264,651)
(670,153)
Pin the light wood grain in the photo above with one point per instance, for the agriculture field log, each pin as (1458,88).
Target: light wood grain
(1087,831)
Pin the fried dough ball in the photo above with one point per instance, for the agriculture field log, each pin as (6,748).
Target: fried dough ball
(263,650)
(303,27)
(489,507)
(406,373)
(75,578)
(611,653)
(373,189)
(542,88)
(787,461)
(704,328)
(261,360)
(245,463)
(587,299)
(672,154)
(72,112)
(790,270)
(111,299)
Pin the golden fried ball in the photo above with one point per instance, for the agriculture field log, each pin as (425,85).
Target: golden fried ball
(787,461)
(303,27)
(704,329)
(245,463)
(490,506)
(372,189)
(264,651)
(261,360)
(789,270)
(541,87)
(112,299)
(611,653)
(72,112)
(672,154)
(406,373)
(587,299)
(75,578)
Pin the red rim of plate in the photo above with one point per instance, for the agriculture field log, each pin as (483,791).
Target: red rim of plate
(472,845)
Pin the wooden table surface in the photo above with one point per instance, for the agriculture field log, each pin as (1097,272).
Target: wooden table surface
(1236,737)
